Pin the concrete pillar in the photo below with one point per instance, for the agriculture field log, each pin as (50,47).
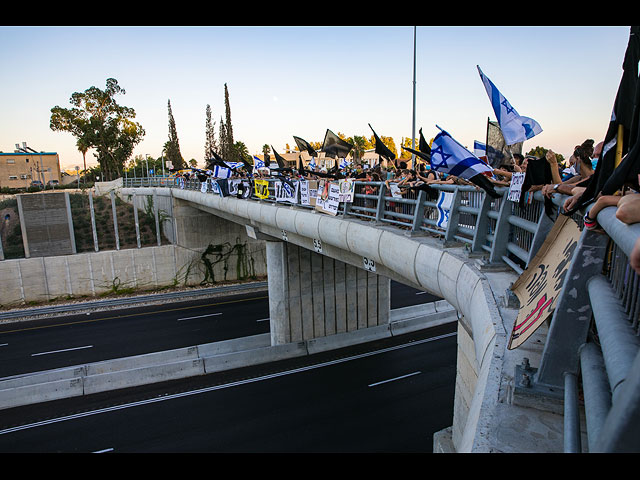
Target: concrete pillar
(313,296)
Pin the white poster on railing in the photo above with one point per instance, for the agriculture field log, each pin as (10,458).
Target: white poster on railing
(515,187)
(328,198)
(303,186)
(287,191)
(443,206)
(540,284)
(347,189)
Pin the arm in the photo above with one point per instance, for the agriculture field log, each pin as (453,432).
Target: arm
(553,162)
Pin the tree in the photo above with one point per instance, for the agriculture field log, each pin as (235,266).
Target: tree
(98,122)
(173,145)
(210,144)
(227,145)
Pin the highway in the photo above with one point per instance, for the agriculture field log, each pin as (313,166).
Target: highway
(386,396)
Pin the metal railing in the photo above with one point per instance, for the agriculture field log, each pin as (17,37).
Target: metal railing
(593,340)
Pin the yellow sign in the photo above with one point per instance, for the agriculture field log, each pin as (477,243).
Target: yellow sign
(261,188)
(540,284)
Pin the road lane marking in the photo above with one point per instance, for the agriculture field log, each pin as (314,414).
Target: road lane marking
(263,319)
(166,310)
(394,379)
(104,450)
(200,316)
(216,387)
(63,350)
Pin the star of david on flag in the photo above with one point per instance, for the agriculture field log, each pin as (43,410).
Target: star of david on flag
(448,156)
(257,164)
(515,128)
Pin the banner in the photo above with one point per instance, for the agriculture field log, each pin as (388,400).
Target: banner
(540,284)
(444,206)
(239,188)
(261,188)
(285,193)
(328,198)
(346,189)
(204,185)
(515,187)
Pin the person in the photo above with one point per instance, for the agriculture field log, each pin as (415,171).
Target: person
(628,209)
(582,159)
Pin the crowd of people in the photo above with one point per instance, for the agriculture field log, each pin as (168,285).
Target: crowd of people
(547,175)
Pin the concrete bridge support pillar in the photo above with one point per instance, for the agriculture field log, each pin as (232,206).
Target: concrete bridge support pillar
(312,296)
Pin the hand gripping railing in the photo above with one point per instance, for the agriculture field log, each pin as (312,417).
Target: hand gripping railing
(593,334)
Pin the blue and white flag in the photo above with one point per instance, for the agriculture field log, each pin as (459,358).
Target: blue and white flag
(444,207)
(515,128)
(312,163)
(448,156)
(344,163)
(221,172)
(257,164)
(479,149)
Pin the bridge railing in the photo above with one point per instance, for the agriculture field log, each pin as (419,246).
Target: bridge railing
(593,342)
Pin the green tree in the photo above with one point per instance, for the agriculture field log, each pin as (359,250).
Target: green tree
(173,145)
(99,122)
(227,145)
(210,144)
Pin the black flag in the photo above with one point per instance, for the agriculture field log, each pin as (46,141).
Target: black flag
(334,146)
(424,149)
(279,158)
(381,148)
(622,115)
(303,145)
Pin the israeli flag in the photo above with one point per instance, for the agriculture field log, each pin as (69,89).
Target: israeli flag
(479,149)
(344,163)
(257,164)
(221,172)
(312,163)
(515,128)
(448,156)
(444,207)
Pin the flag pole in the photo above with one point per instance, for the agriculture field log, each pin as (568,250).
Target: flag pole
(413,126)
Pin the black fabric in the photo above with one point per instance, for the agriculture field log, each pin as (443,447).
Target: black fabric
(303,145)
(381,148)
(333,146)
(624,111)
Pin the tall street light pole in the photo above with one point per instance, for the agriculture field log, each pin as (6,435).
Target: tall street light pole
(413,126)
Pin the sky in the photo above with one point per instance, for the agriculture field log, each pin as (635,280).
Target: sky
(300,81)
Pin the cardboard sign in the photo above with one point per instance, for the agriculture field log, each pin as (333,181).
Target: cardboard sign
(540,284)
(328,198)
(515,187)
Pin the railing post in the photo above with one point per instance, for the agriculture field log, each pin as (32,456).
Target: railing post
(572,315)
(501,234)
(418,211)
(482,222)
(381,201)
(454,214)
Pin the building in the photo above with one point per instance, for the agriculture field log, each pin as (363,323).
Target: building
(20,168)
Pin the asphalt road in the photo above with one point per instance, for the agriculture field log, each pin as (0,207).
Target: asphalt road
(388,396)
(78,339)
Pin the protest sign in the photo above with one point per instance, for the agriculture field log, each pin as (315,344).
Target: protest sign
(539,285)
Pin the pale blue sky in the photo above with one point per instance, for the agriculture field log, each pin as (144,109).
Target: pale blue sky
(286,81)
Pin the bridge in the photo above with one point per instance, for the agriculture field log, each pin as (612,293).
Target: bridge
(525,399)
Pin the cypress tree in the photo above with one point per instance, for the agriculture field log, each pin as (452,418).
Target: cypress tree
(210,145)
(173,146)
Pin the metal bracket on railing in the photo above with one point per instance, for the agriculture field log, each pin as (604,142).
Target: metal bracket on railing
(528,392)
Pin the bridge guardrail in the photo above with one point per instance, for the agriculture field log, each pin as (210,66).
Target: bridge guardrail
(602,355)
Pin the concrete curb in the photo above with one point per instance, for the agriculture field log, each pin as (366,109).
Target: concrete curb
(201,359)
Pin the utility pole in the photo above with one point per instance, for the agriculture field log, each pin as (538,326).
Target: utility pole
(413,126)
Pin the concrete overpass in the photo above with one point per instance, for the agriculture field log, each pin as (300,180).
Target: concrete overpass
(503,403)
